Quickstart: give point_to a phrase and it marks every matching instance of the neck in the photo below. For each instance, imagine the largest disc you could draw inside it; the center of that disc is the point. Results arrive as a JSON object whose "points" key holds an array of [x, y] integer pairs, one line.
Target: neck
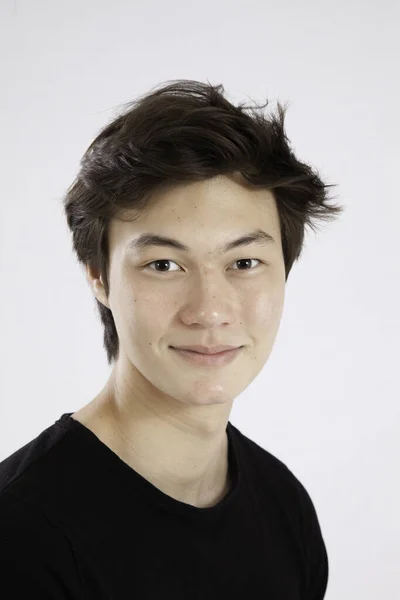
{"points": [[185, 459]]}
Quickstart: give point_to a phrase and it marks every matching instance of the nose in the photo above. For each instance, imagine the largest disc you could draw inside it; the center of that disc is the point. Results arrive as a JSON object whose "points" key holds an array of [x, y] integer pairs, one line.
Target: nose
{"points": [[210, 303]]}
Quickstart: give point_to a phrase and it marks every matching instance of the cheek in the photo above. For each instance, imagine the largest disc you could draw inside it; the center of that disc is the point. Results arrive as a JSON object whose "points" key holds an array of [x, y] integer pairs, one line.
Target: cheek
{"points": [[145, 313], [150, 313], [264, 310]]}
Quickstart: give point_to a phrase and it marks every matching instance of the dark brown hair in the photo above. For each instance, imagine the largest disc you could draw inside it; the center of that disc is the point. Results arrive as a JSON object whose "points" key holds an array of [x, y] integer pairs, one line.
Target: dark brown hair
{"points": [[186, 131]]}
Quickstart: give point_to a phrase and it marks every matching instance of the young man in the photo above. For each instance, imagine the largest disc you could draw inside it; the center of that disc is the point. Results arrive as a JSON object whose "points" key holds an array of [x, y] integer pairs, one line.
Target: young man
{"points": [[187, 215]]}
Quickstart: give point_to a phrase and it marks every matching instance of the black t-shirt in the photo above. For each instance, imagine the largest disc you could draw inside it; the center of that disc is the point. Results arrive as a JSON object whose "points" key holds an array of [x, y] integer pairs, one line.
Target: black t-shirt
{"points": [[77, 522]]}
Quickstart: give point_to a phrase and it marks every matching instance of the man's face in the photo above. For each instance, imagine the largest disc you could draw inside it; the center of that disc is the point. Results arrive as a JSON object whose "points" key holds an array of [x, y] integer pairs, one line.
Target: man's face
{"points": [[200, 296]]}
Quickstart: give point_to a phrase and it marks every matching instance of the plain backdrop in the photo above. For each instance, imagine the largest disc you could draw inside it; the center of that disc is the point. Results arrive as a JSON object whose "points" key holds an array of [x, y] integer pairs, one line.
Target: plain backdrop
{"points": [[327, 401]]}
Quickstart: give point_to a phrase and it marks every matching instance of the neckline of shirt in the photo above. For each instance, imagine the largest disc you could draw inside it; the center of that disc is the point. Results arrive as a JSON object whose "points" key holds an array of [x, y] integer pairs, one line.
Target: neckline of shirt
{"points": [[159, 499]]}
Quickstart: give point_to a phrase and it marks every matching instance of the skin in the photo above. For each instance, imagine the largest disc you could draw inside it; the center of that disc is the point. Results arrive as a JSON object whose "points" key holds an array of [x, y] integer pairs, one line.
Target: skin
{"points": [[163, 417]]}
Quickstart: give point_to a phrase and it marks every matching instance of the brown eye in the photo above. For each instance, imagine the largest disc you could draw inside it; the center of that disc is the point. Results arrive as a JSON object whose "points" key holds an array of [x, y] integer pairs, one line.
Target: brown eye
{"points": [[247, 261], [161, 262], [164, 261]]}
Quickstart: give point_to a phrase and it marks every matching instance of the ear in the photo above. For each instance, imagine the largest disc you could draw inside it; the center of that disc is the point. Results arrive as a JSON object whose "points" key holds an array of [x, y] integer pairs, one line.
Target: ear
{"points": [[96, 283]]}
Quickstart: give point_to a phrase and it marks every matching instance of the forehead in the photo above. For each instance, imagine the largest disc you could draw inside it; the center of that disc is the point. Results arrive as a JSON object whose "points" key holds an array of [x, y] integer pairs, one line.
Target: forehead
{"points": [[213, 212], [216, 195]]}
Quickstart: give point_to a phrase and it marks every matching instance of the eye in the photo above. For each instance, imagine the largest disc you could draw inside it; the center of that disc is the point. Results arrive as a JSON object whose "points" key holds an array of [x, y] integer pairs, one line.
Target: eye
{"points": [[164, 260]]}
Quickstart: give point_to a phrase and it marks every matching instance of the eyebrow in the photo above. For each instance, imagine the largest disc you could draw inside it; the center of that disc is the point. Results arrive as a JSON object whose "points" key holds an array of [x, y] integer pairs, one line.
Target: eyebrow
{"points": [[150, 239]]}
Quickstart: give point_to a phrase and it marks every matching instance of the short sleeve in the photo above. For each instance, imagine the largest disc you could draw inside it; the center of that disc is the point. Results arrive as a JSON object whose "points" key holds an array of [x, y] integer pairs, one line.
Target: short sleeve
{"points": [[315, 550], [319, 571], [36, 560]]}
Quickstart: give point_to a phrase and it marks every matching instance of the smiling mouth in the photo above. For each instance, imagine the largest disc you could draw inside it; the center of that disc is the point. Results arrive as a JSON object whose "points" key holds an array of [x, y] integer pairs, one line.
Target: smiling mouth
{"points": [[207, 360], [203, 353], [227, 349]]}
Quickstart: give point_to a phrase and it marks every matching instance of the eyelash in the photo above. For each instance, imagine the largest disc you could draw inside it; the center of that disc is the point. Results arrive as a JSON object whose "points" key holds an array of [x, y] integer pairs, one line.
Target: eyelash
{"points": [[172, 261]]}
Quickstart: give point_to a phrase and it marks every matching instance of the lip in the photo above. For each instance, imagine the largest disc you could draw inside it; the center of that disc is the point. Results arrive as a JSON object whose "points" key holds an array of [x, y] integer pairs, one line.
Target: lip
{"points": [[218, 359], [206, 349]]}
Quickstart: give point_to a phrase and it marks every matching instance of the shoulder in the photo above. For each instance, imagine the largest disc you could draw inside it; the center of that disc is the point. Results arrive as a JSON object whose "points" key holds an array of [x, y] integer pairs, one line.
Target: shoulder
{"points": [[276, 480], [36, 559]]}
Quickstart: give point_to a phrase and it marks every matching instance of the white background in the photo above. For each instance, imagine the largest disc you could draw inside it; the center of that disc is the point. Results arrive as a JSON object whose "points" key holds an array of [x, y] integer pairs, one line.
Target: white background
{"points": [[327, 401]]}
